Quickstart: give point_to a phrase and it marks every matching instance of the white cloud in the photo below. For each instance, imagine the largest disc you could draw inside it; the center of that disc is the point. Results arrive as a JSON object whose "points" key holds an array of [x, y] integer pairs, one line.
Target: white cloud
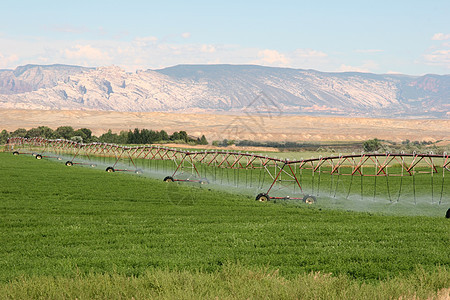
{"points": [[208, 49], [186, 35], [86, 52], [348, 68], [366, 67], [145, 41], [438, 57], [309, 53], [6, 61], [441, 36], [149, 52], [272, 57], [390, 72]]}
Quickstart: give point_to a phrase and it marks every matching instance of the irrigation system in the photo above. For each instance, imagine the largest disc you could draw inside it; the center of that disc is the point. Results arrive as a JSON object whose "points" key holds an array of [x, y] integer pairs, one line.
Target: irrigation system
{"points": [[391, 176]]}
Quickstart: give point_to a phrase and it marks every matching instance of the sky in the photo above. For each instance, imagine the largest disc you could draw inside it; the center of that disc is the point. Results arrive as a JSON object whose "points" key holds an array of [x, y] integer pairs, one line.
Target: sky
{"points": [[395, 36]]}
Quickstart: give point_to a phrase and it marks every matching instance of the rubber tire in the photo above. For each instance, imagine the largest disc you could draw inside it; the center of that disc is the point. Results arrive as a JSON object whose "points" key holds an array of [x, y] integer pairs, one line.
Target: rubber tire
{"points": [[262, 197], [447, 215], [69, 163], [110, 170], [38, 156], [169, 179], [15, 153], [309, 199]]}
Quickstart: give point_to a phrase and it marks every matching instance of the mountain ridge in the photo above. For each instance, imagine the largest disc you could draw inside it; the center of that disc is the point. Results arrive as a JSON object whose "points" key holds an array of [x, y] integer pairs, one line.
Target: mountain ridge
{"points": [[225, 88]]}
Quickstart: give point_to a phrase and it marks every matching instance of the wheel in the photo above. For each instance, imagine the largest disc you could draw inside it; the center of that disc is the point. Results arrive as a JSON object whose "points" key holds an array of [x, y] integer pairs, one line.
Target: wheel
{"points": [[204, 181], [138, 171], [308, 199], [168, 179], [262, 197], [447, 215], [59, 158], [69, 163], [38, 156], [93, 165], [110, 169], [15, 153]]}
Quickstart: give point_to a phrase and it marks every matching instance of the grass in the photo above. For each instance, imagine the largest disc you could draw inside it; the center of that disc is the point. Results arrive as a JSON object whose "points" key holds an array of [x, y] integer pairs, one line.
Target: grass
{"points": [[230, 282], [79, 231]]}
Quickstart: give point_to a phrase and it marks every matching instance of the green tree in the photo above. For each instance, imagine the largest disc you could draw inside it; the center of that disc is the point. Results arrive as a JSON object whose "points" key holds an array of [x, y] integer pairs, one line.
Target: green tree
{"points": [[154, 137], [163, 135], [4, 136], [46, 132], [21, 132], [372, 145], [79, 133], [33, 132], [87, 134], [183, 136], [175, 136], [123, 137], [65, 132], [135, 137], [203, 140], [109, 137]]}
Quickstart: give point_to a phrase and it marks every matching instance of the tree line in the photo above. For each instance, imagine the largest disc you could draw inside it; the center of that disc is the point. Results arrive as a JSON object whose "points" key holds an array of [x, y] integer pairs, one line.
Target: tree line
{"points": [[84, 135]]}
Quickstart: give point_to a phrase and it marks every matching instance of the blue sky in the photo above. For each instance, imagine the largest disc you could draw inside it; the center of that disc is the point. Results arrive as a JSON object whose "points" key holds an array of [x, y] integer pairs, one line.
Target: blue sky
{"points": [[409, 37]]}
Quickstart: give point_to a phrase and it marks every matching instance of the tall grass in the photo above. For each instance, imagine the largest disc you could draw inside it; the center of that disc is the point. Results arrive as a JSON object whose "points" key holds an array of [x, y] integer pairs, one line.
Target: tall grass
{"points": [[230, 282]]}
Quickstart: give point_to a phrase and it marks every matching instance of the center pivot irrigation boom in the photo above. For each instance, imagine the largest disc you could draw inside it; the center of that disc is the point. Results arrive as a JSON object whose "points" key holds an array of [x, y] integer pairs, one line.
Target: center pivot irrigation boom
{"points": [[271, 176]]}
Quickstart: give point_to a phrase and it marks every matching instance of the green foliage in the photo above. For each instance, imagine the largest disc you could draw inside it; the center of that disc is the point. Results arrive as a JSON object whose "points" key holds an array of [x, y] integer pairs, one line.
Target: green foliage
{"points": [[163, 135], [145, 136], [46, 132], [183, 136], [4, 136], [21, 132], [203, 140], [175, 136], [64, 132], [85, 134], [114, 138], [34, 132], [137, 136], [372, 145]]}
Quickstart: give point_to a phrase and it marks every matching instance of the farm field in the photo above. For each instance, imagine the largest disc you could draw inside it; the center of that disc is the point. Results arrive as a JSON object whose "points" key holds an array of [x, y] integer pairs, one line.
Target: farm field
{"points": [[424, 192], [88, 232]]}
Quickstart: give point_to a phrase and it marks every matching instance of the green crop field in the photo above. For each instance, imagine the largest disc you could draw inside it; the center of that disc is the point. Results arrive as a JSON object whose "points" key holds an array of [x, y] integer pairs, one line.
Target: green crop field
{"points": [[76, 232]]}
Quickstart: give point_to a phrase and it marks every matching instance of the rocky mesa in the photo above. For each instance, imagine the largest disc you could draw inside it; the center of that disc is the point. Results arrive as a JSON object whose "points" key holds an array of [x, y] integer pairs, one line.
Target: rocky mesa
{"points": [[225, 89]]}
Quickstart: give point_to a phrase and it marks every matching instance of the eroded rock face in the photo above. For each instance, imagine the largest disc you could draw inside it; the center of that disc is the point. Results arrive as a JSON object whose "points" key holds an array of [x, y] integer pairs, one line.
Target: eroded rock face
{"points": [[33, 77], [229, 88]]}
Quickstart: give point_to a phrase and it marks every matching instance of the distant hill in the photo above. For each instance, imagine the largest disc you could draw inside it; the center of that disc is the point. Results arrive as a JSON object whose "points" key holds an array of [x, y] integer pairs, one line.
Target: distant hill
{"points": [[33, 77], [225, 88]]}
